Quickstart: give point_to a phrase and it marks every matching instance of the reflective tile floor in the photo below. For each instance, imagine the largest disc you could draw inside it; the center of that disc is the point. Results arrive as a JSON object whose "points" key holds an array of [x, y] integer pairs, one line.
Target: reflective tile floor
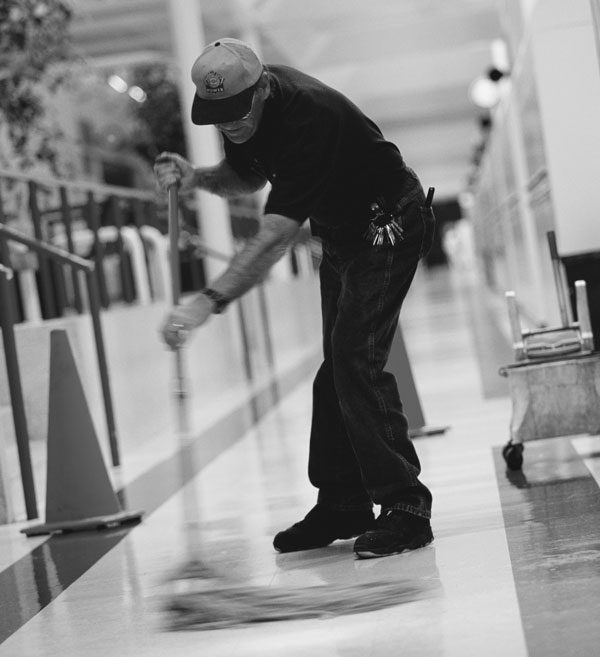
{"points": [[514, 569]]}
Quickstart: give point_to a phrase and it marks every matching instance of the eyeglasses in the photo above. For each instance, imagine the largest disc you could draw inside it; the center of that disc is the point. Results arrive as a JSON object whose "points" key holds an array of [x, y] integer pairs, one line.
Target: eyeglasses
{"points": [[247, 116], [242, 118]]}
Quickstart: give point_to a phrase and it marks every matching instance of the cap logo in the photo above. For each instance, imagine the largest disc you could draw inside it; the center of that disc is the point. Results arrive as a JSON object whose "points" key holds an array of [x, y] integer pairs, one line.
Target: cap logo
{"points": [[213, 82]]}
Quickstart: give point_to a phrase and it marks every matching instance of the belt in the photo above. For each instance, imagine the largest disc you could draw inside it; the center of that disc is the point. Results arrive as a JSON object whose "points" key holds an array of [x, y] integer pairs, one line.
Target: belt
{"points": [[355, 232]]}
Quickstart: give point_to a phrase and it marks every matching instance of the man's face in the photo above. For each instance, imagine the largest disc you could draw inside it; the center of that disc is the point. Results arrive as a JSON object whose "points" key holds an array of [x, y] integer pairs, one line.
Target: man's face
{"points": [[243, 129]]}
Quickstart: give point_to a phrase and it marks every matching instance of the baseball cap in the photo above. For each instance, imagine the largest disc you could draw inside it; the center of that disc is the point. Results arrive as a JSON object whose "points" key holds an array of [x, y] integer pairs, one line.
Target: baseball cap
{"points": [[225, 75]]}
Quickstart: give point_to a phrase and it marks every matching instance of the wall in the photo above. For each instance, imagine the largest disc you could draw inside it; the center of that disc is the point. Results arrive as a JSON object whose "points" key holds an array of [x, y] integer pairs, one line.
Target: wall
{"points": [[540, 168]]}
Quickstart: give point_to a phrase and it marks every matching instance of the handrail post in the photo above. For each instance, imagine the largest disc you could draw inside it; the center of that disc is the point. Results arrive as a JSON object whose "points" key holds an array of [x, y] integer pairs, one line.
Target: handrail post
{"points": [[92, 287], [115, 216], [137, 211], [5, 260], [211, 253], [245, 340], [149, 210], [66, 218], [16, 392], [264, 312], [44, 269], [93, 222]]}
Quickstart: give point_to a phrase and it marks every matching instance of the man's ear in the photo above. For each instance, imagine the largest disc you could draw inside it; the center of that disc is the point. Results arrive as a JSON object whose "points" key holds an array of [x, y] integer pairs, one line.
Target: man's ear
{"points": [[264, 86]]}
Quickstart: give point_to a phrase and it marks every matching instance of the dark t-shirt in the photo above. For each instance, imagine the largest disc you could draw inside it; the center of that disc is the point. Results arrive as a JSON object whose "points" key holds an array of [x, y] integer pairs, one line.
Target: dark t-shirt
{"points": [[324, 158]]}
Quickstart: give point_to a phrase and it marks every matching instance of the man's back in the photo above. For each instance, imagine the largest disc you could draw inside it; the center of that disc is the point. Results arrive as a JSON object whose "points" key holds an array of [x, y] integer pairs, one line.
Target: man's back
{"points": [[325, 159]]}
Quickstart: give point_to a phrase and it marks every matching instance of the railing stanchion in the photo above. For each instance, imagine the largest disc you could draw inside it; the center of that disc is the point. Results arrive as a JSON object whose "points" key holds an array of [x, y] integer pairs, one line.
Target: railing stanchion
{"points": [[115, 214], [137, 210], [92, 287], [66, 217], [93, 222], [149, 210], [16, 392], [44, 268], [5, 260], [245, 340], [264, 312]]}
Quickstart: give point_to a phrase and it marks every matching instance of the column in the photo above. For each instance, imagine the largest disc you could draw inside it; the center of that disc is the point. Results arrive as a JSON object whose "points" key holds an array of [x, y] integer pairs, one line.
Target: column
{"points": [[203, 142], [596, 16]]}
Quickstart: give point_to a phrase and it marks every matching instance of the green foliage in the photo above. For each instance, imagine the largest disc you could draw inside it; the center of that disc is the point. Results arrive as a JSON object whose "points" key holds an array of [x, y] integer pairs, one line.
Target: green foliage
{"points": [[159, 122], [33, 39]]}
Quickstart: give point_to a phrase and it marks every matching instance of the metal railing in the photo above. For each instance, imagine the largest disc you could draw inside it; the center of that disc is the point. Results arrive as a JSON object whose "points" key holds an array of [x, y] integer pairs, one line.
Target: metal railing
{"points": [[82, 208], [99, 222], [16, 392], [87, 219], [7, 304]]}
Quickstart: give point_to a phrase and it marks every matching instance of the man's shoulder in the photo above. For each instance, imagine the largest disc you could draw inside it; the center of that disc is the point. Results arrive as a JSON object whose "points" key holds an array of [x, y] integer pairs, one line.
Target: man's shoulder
{"points": [[292, 76], [297, 92]]}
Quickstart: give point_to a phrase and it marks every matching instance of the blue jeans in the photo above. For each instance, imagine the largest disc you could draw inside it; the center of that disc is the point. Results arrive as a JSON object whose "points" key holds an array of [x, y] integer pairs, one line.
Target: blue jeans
{"points": [[360, 450]]}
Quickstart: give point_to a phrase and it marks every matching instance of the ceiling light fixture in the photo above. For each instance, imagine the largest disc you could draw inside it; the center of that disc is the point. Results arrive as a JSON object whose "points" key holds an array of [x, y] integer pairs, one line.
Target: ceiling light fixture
{"points": [[137, 93], [118, 84], [484, 92]]}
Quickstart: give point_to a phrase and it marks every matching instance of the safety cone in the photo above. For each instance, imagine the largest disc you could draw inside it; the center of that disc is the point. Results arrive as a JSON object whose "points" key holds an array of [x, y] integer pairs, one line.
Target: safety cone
{"points": [[399, 366], [79, 494]]}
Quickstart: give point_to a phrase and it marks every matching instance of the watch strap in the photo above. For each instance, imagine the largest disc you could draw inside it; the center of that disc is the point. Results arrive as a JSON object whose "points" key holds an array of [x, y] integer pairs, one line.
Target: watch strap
{"points": [[221, 301]]}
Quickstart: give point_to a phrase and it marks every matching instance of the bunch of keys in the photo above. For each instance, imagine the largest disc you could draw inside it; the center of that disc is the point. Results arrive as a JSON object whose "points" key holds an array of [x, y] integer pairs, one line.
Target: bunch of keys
{"points": [[385, 226]]}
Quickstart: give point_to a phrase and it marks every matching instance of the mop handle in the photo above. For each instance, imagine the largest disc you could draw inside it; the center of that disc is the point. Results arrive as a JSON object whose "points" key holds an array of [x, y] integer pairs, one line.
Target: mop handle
{"points": [[181, 392], [174, 244], [174, 253]]}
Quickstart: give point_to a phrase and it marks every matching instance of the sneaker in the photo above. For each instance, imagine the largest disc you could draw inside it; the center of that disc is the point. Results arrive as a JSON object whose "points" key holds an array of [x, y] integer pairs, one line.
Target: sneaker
{"points": [[322, 526], [394, 532]]}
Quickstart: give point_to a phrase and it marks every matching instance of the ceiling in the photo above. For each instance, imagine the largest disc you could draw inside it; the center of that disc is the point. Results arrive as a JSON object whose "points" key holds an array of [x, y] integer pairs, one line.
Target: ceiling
{"points": [[407, 63]]}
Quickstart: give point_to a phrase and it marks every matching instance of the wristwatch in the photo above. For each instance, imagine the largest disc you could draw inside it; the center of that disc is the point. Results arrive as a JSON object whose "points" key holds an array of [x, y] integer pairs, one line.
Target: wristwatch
{"points": [[221, 302]]}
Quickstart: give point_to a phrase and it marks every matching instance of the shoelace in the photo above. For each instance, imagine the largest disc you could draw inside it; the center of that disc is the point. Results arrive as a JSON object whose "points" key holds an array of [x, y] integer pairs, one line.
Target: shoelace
{"points": [[398, 521], [386, 519]]}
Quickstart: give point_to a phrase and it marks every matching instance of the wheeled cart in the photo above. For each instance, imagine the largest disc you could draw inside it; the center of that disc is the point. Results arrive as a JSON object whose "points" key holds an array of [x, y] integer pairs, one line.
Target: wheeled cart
{"points": [[550, 399], [555, 382]]}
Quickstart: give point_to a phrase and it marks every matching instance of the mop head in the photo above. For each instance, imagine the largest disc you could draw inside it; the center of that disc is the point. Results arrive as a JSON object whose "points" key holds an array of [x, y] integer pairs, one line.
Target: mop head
{"points": [[205, 601]]}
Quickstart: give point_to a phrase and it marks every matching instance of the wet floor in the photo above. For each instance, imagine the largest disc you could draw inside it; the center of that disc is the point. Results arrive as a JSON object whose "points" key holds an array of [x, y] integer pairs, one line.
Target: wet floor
{"points": [[513, 570]]}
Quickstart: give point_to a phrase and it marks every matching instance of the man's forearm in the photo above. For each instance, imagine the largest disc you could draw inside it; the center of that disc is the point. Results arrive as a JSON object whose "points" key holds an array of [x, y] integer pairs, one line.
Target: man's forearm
{"points": [[223, 180], [248, 267]]}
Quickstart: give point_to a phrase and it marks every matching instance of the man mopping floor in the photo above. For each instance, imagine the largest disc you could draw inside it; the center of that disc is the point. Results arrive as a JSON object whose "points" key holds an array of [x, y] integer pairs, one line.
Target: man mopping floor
{"points": [[329, 164]]}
